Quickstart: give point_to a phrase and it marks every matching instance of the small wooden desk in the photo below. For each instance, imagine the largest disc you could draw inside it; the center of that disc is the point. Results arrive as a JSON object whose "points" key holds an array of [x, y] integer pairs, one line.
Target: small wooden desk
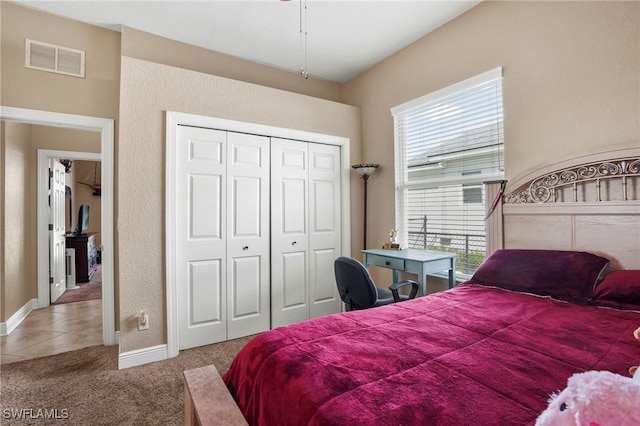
{"points": [[419, 262]]}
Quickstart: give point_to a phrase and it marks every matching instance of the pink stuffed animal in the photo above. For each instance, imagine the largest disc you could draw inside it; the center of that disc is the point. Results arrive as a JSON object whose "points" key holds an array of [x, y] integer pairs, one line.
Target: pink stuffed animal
{"points": [[596, 398], [635, 370]]}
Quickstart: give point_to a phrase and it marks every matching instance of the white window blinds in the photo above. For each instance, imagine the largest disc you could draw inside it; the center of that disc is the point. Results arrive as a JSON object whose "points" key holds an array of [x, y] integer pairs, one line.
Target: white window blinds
{"points": [[447, 144]]}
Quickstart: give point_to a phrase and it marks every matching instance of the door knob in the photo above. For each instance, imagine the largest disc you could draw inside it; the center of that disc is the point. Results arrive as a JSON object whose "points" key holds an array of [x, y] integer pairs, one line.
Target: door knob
{"points": [[294, 243], [245, 248]]}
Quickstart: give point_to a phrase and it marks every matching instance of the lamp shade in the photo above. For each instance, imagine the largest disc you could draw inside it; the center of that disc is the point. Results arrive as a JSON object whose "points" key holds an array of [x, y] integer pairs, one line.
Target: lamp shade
{"points": [[365, 169]]}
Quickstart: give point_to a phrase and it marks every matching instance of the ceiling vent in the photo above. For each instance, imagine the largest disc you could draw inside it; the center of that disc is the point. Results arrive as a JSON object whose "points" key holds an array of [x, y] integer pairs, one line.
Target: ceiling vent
{"points": [[58, 59]]}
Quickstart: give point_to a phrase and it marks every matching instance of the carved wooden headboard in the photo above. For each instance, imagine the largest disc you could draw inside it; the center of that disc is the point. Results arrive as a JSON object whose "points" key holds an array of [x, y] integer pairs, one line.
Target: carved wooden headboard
{"points": [[590, 202]]}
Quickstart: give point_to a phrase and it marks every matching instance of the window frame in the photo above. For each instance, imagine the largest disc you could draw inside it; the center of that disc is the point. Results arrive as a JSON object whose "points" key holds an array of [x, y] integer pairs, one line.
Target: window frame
{"points": [[403, 185]]}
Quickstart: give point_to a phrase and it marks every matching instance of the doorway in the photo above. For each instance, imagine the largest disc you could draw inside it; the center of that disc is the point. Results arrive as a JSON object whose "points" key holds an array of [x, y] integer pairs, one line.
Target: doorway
{"points": [[80, 168], [105, 127]]}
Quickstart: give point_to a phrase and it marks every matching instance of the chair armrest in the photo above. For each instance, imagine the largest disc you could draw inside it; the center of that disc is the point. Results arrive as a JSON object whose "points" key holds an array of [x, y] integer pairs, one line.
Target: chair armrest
{"points": [[394, 289]]}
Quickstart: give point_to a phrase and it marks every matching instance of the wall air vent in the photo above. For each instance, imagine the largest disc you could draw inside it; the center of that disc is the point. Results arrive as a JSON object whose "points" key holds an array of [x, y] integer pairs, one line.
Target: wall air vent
{"points": [[58, 59]]}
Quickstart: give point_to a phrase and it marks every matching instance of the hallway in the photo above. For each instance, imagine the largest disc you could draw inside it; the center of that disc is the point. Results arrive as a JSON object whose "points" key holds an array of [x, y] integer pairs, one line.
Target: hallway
{"points": [[52, 330]]}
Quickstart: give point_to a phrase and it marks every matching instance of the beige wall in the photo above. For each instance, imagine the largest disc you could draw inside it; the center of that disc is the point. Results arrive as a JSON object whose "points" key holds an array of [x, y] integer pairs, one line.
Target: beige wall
{"points": [[18, 286], [142, 45], [571, 83], [95, 95], [147, 91], [63, 139]]}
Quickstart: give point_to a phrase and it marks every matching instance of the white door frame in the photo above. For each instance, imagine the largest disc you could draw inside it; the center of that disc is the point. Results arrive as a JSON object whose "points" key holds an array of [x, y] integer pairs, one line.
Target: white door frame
{"points": [[172, 120], [105, 127]]}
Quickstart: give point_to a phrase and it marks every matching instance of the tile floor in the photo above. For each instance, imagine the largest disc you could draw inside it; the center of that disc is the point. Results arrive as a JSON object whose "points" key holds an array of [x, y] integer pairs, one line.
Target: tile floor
{"points": [[52, 330]]}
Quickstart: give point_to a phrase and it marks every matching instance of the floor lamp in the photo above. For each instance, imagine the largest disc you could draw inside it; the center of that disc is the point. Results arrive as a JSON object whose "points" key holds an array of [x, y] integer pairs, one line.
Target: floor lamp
{"points": [[365, 170]]}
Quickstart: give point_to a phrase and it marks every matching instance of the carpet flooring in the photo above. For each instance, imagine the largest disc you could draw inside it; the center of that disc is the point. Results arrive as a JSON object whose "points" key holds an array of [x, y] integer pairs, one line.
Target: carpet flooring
{"points": [[83, 291], [85, 387]]}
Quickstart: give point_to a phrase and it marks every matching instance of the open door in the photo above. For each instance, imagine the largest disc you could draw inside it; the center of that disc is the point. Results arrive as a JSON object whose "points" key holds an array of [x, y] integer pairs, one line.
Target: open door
{"points": [[57, 200]]}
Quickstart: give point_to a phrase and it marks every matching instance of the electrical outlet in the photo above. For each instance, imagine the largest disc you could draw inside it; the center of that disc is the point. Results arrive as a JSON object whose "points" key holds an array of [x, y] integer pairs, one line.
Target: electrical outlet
{"points": [[143, 321]]}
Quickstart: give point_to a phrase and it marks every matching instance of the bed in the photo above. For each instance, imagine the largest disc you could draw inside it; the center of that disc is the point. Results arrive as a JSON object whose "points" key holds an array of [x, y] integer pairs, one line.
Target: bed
{"points": [[489, 351]]}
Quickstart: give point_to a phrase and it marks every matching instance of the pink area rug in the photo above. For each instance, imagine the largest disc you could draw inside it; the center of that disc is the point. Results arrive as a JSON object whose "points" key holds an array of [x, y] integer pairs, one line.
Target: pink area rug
{"points": [[84, 291]]}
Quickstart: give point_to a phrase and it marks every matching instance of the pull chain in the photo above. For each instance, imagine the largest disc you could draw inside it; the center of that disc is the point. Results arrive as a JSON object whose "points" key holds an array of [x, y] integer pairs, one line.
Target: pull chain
{"points": [[303, 39]]}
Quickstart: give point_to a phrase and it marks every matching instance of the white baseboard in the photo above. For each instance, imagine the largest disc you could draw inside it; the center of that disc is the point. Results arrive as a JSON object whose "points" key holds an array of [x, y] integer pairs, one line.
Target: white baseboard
{"points": [[7, 327], [143, 356]]}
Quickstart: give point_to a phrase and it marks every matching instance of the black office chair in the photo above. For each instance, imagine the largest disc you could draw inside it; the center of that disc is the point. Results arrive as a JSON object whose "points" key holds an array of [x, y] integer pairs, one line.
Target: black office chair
{"points": [[358, 291]]}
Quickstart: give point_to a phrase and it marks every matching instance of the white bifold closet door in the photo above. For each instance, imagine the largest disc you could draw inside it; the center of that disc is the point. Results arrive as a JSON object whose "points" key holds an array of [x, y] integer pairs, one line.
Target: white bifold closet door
{"points": [[248, 235], [305, 230], [222, 253]]}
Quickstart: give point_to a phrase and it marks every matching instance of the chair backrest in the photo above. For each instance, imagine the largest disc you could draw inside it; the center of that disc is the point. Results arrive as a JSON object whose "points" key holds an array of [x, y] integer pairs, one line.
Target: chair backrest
{"points": [[357, 289]]}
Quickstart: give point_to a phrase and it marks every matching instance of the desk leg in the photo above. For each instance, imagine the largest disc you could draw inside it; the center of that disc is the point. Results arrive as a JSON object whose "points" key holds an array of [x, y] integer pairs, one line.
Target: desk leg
{"points": [[452, 273], [422, 282], [395, 276]]}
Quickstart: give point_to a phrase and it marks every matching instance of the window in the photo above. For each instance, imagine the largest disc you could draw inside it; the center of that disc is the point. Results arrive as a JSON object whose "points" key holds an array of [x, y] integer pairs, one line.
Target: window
{"points": [[471, 194], [447, 144]]}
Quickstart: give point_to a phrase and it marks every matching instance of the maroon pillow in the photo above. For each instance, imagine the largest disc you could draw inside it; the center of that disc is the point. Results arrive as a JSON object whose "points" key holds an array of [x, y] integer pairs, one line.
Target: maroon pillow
{"points": [[620, 289], [563, 275]]}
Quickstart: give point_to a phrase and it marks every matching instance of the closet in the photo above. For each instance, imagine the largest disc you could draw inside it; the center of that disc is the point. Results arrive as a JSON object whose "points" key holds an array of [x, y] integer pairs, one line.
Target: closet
{"points": [[258, 223]]}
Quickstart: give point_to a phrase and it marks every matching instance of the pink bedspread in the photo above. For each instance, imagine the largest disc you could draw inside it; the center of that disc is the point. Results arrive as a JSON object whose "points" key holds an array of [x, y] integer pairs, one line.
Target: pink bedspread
{"points": [[469, 356]]}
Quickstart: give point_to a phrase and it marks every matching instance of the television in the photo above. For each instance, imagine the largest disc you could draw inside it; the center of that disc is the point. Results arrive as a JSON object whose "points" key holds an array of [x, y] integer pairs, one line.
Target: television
{"points": [[83, 220]]}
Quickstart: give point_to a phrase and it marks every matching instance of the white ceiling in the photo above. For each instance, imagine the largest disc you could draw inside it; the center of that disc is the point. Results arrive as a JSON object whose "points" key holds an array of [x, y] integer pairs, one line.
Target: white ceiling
{"points": [[344, 38]]}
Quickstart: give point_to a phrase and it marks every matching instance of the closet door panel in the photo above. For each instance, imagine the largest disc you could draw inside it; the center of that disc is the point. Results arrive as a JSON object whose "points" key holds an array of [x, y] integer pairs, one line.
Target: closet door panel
{"points": [[325, 228], [324, 289], [293, 206], [246, 203], [249, 233], [245, 282], [294, 271], [200, 236], [205, 214], [289, 232], [205, 286], [324, 199]]}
